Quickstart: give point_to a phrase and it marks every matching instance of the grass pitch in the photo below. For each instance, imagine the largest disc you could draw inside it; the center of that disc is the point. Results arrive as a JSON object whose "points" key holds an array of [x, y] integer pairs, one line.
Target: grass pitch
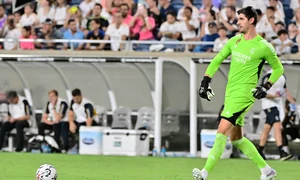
{"points": [[22, 166]]}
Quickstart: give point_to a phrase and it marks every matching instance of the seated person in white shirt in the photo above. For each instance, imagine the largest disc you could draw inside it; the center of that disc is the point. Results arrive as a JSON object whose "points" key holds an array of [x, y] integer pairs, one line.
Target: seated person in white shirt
{"points": [[266, 24], [55, 113], [220, 41], [279, 12], [19, 112], [187, 3], [117, 31], [29, 18], [282, 44], [168, 31], [81, 112]]}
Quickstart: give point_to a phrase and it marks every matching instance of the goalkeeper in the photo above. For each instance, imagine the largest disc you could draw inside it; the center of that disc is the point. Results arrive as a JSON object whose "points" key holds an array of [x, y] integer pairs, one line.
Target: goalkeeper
{"points": [[248, 51]]}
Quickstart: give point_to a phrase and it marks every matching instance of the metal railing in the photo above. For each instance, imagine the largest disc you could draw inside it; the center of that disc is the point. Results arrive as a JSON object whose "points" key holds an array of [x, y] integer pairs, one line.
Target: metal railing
{"points": [[128, 44]]}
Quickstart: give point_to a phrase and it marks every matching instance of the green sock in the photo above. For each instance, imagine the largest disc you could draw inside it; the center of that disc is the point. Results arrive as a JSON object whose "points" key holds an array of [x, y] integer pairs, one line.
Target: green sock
{"points": [[250, 151], [215, 152]]}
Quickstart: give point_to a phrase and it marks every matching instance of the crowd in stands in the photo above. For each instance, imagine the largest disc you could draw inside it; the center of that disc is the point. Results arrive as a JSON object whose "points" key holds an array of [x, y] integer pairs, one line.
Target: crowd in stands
{"points": [[212, 21]]}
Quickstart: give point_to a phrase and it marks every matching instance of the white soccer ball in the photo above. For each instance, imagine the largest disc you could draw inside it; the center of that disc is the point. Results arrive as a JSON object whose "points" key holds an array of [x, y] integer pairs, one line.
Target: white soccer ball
{"points": [[46, 172]]}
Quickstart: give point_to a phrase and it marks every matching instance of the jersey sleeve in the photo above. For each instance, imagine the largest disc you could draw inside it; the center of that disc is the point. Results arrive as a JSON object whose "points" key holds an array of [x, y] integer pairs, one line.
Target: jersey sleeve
{"points": [[47, 111], [71, 105], [272, 58], [220, 57], [89, 110], [63, 109]]}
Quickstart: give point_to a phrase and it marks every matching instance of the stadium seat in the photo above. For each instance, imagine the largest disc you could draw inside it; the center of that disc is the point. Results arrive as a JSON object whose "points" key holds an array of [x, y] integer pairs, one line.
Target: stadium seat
{"points": [[255, 134], [122, 118], [145, 119], [101, 115], [170, 121]]}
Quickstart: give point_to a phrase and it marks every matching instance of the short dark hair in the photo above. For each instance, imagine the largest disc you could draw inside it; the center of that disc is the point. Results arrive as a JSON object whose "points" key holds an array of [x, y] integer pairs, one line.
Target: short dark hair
{"points": [[282, 31], [232, 8], [189, 8], [249, 13], [280, 23], [11, 95], [258, 11], [31, 5], [27, 28], [97, 21], [54, 92], [271, 8], [98, 4], [76, 92], [125, 4], [70, 21], [222, 28], [172, 13]]}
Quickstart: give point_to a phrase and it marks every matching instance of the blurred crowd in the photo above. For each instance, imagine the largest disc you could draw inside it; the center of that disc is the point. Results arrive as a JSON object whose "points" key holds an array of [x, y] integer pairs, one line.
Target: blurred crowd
{"points": [[175, 21]]}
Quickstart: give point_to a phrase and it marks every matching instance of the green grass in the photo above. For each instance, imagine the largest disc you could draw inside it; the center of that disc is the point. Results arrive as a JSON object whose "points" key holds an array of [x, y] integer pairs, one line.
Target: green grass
{"points": [[23, 166]]}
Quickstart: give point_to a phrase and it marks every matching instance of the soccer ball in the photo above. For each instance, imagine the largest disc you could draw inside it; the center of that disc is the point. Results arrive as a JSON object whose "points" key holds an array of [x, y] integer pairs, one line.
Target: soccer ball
{"points": [[46, 172]]}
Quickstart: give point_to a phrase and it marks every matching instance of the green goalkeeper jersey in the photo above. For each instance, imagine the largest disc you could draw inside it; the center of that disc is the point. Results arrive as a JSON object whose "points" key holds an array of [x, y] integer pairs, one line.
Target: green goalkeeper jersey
{"points": [[247, 60]]}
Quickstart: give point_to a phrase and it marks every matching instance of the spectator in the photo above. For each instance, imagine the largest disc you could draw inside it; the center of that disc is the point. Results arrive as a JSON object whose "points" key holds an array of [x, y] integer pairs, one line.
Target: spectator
{"points": [[48, 32], [279, 13], [17, 18], [221, 40], [188, 27], [45, 11], [165, 7], [55, 114], [211, 17], [19, 112], [266, 24], [297, 18], [97, 15], [95, 34], [169, 31], [295, 4], [294, 36], [86, 7], [75, 13], [279, 26], [11, 34], [154, 12], [117, 31], [125, 13], [211, 37], [113, 5], [73, 33], [26, 34], [81, 112], [29, 18], [142, 25], [282, 44], [224, 8], [3, 17], [231, 22], [187, 3], [205, 9], [256, 4], [60, 13]]}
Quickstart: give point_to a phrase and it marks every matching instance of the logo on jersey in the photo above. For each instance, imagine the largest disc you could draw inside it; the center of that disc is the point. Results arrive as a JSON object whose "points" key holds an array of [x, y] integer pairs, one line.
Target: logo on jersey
{"points": [[240, 57], [252, 50], [238, 41]]}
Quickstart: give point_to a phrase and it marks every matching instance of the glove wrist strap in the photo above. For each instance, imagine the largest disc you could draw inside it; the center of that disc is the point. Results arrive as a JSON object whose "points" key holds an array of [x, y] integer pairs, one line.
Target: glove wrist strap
{"points": [[267, 85], [206, 79]]}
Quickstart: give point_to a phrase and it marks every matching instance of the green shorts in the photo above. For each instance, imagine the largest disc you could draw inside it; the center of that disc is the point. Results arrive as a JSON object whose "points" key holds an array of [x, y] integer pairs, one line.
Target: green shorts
{"points": [[234, 111]]}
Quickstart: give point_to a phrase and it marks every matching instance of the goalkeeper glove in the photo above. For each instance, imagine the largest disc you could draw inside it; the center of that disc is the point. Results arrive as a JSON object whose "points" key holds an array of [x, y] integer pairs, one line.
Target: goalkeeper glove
{"points": [[205, 90], [261, 91]]}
